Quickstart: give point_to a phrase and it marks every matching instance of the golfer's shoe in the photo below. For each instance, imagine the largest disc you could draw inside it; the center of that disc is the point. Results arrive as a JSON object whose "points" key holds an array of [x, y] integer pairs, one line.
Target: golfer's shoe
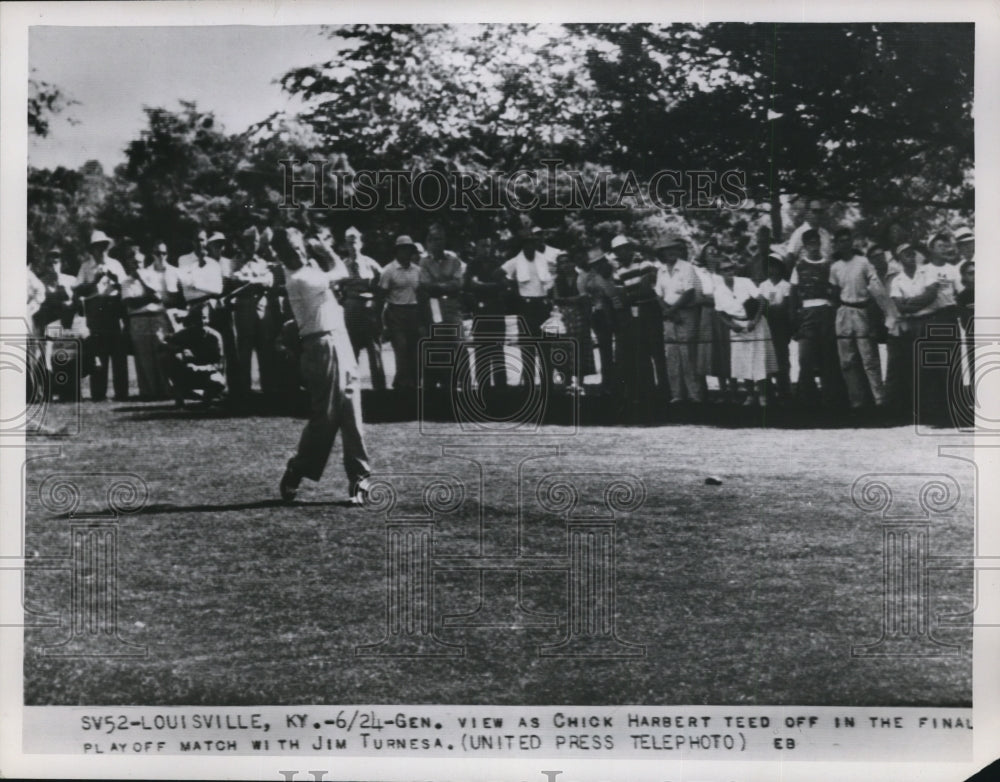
{"points": [[289, 486], [359, 492]]}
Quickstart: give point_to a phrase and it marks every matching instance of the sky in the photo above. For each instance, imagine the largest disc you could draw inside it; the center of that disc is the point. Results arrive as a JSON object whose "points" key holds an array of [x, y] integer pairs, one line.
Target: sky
{"points": [[114, 71]]}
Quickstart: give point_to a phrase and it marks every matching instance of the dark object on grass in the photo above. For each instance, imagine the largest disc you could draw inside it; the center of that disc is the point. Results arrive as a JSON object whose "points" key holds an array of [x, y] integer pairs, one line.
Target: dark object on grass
{"points": [[711, 480]]}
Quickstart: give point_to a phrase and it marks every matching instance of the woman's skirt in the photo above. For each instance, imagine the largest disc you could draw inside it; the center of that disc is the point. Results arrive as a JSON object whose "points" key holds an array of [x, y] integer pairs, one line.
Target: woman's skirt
{"points": [[752, 353]]}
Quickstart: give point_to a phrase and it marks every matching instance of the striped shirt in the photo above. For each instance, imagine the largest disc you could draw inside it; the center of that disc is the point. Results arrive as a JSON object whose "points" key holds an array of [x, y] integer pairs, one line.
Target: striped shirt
{"points": [[637, 280]]}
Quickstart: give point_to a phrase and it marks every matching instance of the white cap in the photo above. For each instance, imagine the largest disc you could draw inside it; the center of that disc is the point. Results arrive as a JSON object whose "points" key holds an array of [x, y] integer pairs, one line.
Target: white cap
{"points": [[964, 234], [99, 237]]}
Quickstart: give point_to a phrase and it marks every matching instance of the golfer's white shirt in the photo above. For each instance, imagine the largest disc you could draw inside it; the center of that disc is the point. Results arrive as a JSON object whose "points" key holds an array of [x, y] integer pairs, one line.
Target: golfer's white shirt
{"points": [[316, 310]]}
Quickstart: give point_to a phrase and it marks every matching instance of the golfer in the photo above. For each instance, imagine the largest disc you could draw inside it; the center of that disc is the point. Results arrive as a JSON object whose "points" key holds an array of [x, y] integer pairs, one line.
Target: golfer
{"points": [[329, 371]]}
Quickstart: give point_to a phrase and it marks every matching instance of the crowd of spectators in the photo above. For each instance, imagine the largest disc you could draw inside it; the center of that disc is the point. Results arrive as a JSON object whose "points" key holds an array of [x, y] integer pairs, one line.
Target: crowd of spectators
{"points": [[828, 318]]}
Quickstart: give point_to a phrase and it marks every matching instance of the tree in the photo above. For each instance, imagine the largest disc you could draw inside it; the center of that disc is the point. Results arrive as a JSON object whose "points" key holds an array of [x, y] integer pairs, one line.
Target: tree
{"points": [[804, 109], [64, 206], [183, 173], [45, 100]]}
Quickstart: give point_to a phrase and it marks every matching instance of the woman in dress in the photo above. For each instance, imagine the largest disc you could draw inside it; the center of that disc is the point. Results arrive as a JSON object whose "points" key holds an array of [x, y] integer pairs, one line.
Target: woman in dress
{"points": [[741, 307], [712, 353]]}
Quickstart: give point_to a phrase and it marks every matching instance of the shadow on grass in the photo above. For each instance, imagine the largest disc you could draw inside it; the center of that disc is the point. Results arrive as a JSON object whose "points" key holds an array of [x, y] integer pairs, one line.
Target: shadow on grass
{"points": [[164, 508], [390, 406]]}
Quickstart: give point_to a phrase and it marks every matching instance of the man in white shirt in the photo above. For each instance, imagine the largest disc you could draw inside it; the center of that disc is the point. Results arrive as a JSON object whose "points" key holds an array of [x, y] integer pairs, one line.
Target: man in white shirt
{"points": [[946, 278], [200, 275], [252, 279], [815, 216], [98, 286], [442, 275], [856, 282], [361, 311], [329, 371], [913, 296], [221, 315], [531, 273], [814, 324], [397, 287], [777, 292], [966, 241], [676, 288]]}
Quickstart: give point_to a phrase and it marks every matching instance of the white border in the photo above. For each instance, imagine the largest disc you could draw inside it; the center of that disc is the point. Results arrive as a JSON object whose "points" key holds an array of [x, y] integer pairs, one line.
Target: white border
{"points": [[14, 21]]}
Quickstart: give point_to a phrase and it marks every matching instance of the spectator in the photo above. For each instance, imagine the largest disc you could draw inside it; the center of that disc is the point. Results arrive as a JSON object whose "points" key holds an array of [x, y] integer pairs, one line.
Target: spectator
{"points": [[966, 242], [485, 284], [876, 315], [943, 316], [712, 356], [853, 278], [573, 303], [54, 293], [529, 271], [144, 290], [966, 301], [912, 295], [676, 287], [52, 311], [741, 307], [815, 220], [776, 292], [761, 253], [98, 286], [398, 285], [220, 316], [255, 330], [200, 275], [194, 360], [441, 278], [641, 348], [360, 311], [606, 315], [549, 253], [814, 324]]}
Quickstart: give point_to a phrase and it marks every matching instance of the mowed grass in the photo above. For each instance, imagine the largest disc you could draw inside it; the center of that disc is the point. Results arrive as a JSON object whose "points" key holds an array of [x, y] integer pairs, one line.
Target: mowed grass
{"points": [[749, 592]]}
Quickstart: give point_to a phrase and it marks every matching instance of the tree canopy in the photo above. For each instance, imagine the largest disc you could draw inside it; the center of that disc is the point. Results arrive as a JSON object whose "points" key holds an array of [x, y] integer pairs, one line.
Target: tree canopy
{"points": [[874, 117]]}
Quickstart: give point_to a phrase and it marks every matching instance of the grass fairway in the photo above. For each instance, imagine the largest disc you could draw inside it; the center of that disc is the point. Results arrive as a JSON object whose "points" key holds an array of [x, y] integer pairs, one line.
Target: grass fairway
{"points": [[749, 592]]}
